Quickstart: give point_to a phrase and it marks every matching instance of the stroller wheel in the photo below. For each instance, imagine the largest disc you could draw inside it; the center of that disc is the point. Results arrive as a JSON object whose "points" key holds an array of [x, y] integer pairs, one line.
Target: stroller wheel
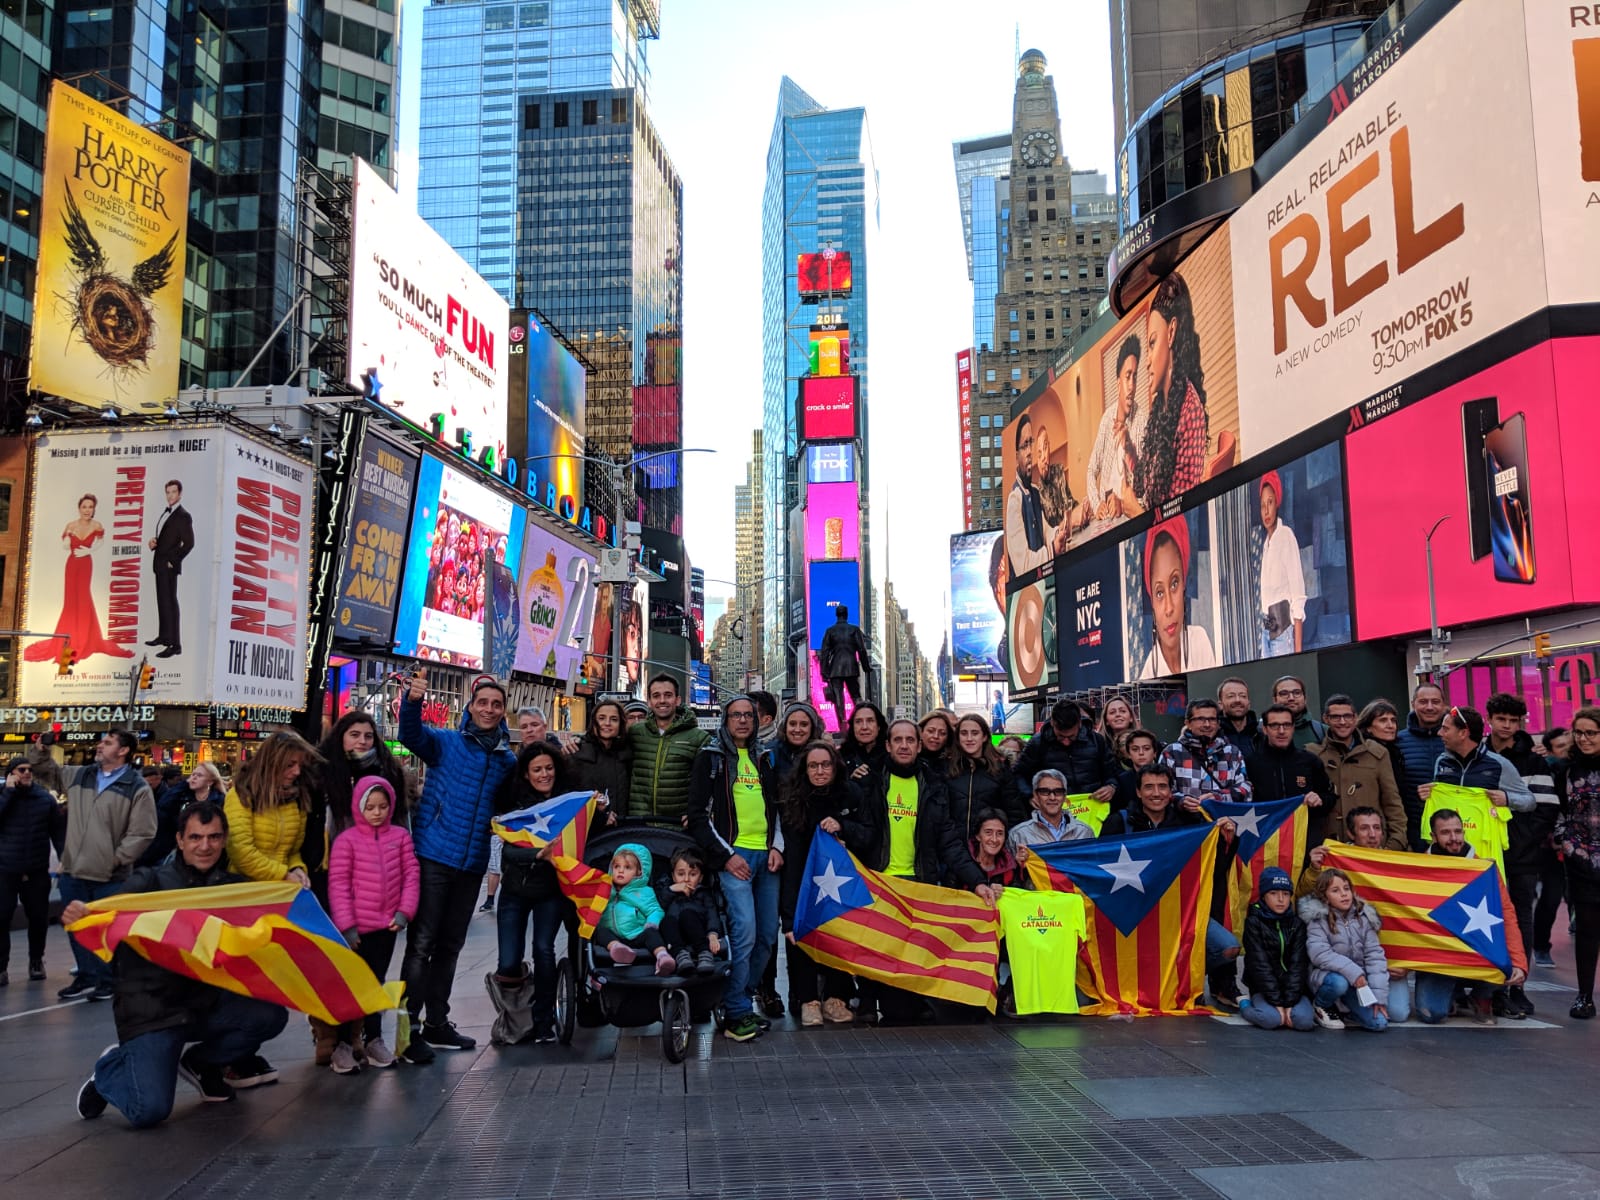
{"points": [[676, 1024], [719, 1018], [566, 1001]]}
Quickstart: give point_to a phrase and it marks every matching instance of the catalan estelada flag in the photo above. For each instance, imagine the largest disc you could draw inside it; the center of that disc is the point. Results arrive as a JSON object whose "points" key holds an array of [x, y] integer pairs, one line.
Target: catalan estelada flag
{"points": [[1150, 902], [934, 941], [1270, 834], [1448, 916], [268, 941], [562, 822]]}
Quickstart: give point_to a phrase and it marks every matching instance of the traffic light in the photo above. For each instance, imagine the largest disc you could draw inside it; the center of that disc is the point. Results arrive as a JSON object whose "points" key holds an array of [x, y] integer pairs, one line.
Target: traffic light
{"points": [[65, 658], [1541, 645], [147, 677]]}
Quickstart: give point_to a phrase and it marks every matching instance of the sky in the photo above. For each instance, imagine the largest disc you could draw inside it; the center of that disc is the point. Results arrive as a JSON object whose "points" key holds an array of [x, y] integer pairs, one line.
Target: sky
{"points": [[928, 74]]}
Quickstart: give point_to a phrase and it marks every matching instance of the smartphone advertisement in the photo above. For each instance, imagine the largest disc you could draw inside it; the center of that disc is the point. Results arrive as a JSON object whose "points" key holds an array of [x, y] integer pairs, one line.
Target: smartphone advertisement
{"points": [[1483, 459]]}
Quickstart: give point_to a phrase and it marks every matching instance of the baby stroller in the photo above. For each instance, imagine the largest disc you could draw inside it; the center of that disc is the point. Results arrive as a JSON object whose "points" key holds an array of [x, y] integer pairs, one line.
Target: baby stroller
{"points": [[634, 995]]}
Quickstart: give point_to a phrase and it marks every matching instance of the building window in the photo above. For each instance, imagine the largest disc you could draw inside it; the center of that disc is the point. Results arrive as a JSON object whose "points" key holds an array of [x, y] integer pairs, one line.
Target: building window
{"points": [[983, 463], [984, 484], [1049, 334], [983, 421], [1033, 193], [591, 112], [1049, 214], [501, 16], [988, 377], [1099, 271], [530, 116], [1030, 314], [619, 110], [1080, 239], [1049, 193], [1016, 372], [1049, 314], [561, 114], [1014, 336], [1033, 216]]}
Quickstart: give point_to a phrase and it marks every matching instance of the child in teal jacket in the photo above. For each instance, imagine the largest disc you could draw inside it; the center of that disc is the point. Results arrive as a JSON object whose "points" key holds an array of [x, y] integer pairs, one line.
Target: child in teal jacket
{"points": [[632, 919]]}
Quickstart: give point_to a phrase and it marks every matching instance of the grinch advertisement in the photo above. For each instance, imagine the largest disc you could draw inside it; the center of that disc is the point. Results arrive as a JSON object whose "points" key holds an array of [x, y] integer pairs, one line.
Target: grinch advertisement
{"points": [[108, 302]]}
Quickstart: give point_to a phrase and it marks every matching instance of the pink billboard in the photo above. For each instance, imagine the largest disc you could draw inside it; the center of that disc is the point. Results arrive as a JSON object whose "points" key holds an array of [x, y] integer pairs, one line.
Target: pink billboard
{"points": [[833, 521], [1485, 456]]}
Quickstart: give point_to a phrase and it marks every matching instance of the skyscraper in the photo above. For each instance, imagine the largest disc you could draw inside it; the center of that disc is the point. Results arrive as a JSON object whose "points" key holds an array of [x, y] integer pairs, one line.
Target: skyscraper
{"points": [[479, 59], [599, 254], [982, 166], [24, 90], [1060, 228], [821, 191]]}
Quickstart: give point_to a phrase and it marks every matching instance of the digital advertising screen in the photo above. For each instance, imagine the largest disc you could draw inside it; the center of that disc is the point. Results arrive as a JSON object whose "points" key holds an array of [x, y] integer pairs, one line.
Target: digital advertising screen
{"points": [[823, 274], [829, 351], [1282, 561], [385, 483], [557, 411], [1089, 607], [555, 604], [1169, 599], [977, 604], [1031, 644], [833, 521], [1496, 445], [828, 585], [828, 408], [427, 334], [446, 592], [831, 462]]}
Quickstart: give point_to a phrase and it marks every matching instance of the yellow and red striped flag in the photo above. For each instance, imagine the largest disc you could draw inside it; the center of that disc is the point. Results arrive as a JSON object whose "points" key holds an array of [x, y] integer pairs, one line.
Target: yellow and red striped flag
{"points": [[1149, 901], [1448, 916], [1270, 834], [268, 941], [562, 823], [934, 941]]}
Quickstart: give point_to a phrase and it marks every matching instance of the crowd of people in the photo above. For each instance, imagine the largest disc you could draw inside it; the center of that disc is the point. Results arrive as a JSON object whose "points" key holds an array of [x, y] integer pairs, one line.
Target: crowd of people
{"points": [[939, 800]]}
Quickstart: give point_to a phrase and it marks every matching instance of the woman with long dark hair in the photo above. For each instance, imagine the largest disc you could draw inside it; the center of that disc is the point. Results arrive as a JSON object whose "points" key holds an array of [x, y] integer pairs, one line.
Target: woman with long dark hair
{"points": [[1173, 457], [816, 795], [938, 733], [351, 751], [980, 777], [865, 748], [603, 761], [529, 889]]}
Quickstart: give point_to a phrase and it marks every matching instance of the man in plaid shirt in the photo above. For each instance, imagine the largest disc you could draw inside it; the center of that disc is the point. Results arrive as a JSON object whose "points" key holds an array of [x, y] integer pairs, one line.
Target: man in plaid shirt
{"points": [[1206, 764]]}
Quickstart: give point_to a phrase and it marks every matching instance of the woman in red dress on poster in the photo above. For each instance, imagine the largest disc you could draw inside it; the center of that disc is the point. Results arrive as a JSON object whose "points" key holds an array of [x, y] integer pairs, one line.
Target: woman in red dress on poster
{"points": [[79, 623]]}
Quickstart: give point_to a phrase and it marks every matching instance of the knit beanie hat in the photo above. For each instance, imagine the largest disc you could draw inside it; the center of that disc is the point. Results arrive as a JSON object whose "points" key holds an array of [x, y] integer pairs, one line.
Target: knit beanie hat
{"points": [[1275, 879]]}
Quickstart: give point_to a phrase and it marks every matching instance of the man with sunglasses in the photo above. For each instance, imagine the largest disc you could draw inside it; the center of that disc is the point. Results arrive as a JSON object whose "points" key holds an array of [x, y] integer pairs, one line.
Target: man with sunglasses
{"points": [[30, 822], [1049, 822]]}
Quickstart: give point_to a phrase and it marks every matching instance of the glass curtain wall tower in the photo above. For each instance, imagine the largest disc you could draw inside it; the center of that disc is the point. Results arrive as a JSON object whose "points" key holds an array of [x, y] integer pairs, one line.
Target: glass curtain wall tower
{"points": [[821, 188]]}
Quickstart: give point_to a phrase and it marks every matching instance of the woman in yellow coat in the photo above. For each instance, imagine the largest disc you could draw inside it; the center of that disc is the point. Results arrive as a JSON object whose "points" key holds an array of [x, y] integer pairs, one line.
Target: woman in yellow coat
{"points": [[266, 810]]}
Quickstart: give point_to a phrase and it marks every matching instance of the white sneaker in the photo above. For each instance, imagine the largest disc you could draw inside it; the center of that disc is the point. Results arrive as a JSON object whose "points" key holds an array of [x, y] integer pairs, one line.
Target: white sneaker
{"points": [[344, 1060], [1328, 1018], [379, 1055]]}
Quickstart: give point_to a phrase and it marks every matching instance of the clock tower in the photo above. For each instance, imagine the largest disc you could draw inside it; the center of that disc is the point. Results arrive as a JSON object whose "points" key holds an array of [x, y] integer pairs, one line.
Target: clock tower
{"points": [[1052, 275]]}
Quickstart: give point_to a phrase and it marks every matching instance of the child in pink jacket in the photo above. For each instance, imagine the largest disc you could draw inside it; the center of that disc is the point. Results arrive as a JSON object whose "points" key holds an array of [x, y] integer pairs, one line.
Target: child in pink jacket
{"points": [[373, 884]]}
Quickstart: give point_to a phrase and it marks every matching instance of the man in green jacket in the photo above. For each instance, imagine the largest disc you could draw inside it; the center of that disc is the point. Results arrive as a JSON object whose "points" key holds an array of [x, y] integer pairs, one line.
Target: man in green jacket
{"points": [[664, 748]]}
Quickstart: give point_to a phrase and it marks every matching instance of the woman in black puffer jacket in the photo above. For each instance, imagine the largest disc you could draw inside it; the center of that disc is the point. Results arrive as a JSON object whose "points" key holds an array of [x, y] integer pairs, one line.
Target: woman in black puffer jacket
{"points": [[603, 761], [980, 778]]}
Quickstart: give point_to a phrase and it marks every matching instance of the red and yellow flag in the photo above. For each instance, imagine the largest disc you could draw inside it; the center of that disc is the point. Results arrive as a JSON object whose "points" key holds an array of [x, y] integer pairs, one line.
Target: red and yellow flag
{"points": [[268, 941], [562, 824], [1149, 898]]}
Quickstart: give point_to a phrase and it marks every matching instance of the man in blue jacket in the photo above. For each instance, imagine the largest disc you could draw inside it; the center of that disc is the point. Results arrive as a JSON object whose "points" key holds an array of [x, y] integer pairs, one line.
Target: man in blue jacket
{"points": [[451, 832], [1420, 746]]}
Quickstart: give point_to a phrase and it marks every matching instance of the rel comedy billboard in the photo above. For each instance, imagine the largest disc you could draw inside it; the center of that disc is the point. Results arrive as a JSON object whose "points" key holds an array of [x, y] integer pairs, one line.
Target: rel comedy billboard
{"points": [[108, 296], [187, 548]]}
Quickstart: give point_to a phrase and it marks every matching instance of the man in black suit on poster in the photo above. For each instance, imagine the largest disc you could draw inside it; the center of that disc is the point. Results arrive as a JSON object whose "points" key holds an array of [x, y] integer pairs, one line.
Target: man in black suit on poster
{"points": [[173, 540]]}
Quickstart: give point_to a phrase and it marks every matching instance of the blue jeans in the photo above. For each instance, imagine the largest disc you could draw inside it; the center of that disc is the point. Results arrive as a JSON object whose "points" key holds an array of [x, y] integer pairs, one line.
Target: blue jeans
{"points": [[1265, 1016], [140, 1076], [511, 923], [1335, 988], [1400, 998], [90, 969], [1218, 942], [752, 929], [1432, 994], [1277, 647]]}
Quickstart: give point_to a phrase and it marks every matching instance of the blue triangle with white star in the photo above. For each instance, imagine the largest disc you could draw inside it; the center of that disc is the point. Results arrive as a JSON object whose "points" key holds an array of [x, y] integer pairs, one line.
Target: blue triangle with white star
{"points": [[1254, 823], [830, 885], [1125, 877], [1475, 914]]}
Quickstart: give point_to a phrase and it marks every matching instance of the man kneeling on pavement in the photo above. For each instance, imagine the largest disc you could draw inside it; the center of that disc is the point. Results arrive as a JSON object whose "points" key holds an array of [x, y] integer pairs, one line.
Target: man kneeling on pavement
{"points": [[159, 1012]]}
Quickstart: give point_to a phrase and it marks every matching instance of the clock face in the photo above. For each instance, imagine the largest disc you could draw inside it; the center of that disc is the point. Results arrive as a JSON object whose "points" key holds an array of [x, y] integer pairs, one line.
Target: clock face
{"points": [[1038, 148]]}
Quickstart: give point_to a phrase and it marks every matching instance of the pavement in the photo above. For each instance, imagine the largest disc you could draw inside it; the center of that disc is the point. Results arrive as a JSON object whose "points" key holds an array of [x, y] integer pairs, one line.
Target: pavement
{"points": [[1170, 1108]]}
